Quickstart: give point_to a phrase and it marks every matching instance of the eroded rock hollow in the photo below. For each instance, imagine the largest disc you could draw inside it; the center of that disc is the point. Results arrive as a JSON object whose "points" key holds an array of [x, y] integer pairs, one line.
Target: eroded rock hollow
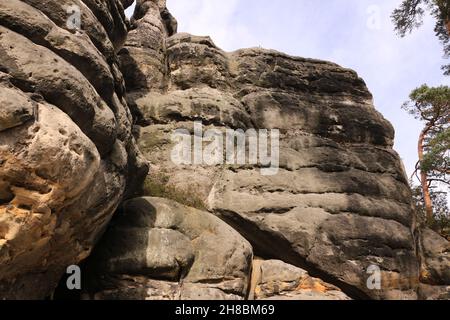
{"points": [[73, 105]]}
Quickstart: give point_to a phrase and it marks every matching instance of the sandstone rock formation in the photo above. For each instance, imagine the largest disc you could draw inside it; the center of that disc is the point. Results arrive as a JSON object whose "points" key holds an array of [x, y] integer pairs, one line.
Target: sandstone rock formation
{"points": [[435, 266], [67, 154], [340, 202], [157, 248], [276, 280], [72, 102]]}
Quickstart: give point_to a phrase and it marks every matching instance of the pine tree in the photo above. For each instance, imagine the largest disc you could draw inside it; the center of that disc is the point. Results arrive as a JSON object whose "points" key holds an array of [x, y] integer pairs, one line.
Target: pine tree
{"points": [[432, 106]]}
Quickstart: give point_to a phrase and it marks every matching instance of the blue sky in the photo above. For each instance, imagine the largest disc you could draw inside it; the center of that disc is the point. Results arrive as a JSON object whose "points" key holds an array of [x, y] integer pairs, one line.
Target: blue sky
{"points": [[356, 34]]}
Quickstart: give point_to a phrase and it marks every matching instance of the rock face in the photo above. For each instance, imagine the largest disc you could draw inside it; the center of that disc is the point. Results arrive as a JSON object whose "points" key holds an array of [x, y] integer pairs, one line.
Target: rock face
{"points": [[67, 154], [78, 83], [340, 202], [156, 248], [276, 280], [159, 249], [435, 266]]}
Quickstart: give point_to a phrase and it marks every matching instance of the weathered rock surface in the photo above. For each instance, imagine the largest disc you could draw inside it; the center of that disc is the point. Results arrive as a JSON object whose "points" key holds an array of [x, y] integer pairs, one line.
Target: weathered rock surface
{"points": [[276, 280], [159, 249], [435, 266], [435, 257], [67, 154], [72, 102], [340, 202]]}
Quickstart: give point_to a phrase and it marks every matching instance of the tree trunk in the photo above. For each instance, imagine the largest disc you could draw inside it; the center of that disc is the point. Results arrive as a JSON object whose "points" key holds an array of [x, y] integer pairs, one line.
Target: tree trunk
{"points": [[448, 26], [424, 177]]}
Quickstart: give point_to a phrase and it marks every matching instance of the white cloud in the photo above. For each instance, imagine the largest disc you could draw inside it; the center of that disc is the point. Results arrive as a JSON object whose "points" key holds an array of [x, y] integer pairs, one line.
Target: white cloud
{"points": [[215, 18]]}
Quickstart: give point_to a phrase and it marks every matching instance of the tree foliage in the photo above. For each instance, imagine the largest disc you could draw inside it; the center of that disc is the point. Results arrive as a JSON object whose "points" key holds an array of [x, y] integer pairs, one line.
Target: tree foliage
{"points": [[437, 157], [410, 14], [432, 106]]}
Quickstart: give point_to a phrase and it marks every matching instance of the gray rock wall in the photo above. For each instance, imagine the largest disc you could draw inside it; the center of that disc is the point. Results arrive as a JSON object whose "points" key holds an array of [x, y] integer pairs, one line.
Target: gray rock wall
{"points": [[340, 201]]}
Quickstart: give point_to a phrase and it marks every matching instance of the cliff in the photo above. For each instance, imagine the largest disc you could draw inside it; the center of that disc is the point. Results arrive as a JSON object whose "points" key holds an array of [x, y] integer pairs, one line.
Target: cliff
{"points": [[88, 109]]}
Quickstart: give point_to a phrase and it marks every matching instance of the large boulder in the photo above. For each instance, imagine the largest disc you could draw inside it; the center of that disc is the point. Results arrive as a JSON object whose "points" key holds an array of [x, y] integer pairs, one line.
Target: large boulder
{"points": [[159, 249], [67, 153], [276, 280]]}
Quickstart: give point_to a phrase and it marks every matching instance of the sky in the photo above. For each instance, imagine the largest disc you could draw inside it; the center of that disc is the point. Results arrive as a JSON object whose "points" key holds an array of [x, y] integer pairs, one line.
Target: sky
{"points": [[356, 34]]}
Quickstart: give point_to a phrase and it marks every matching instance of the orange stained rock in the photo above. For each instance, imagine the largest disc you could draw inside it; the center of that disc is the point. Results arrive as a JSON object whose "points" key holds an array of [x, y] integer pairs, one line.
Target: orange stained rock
{"points": [[312, 284]]}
